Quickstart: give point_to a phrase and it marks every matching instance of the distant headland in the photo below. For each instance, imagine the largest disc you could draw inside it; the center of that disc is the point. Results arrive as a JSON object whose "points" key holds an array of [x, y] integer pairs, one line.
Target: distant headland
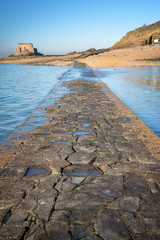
{"points": [[142, 36]]}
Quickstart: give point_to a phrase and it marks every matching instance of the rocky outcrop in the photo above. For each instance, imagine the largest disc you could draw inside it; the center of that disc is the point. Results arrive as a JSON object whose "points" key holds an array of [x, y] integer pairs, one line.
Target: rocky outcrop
{"points": [[145, 35], [93, 51]]}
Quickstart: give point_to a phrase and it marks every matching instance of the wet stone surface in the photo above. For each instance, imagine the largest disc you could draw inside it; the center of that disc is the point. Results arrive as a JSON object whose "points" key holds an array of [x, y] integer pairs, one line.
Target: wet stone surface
{"points": [[82, 171], [84, 175], [35, 171], [81, 133]]}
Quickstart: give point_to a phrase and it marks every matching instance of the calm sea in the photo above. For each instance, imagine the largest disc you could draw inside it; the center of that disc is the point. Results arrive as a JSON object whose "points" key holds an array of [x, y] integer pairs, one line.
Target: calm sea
{"points": [[139, 89], [22, 88]]}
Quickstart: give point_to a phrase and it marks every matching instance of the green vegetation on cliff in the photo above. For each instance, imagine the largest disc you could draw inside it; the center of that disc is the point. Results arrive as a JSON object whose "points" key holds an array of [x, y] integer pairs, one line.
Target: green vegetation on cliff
{"points": [[145, 35]]}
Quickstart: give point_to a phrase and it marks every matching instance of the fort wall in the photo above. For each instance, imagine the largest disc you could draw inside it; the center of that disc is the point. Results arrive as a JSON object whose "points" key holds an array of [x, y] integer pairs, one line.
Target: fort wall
{"points": [[25, 49]]}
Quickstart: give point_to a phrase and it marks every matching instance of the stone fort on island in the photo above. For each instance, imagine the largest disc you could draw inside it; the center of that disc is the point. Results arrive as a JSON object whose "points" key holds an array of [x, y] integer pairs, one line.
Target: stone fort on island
{"points": [[26, 49]]}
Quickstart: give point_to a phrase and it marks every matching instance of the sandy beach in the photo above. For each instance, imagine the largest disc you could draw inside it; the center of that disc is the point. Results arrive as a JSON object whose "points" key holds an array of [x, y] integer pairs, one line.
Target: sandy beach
{"points": [[64, 60], [126, 57]]}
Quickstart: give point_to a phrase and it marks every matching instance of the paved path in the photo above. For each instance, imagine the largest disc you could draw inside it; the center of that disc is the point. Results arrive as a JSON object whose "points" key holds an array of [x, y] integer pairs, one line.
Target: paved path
{"points": [[86, 174]]}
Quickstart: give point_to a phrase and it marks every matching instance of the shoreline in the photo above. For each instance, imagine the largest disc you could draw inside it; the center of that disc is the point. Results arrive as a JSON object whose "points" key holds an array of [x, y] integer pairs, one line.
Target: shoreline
{"points": [[148, 137], [126, 57], [144, 132]]}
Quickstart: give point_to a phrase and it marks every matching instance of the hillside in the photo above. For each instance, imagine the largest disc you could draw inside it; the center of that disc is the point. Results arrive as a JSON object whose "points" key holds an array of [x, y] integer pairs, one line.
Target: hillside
{"points": [[139, 37]]}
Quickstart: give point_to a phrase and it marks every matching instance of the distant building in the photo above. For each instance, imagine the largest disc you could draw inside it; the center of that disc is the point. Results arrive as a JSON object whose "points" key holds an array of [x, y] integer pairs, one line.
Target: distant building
{"points": [[26, 49]]}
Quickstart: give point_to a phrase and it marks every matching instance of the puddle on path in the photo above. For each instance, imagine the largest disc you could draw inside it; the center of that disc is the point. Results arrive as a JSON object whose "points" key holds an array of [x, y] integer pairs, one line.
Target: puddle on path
{"points": [[121, 120], [66, 124], [35, 171], [71, 118], [85, 116], [82, 171], [86, 125], [12, 172], [108, 193], [155, 170], [4, 172], [71, 103], [41, 134], [61, 142], [81, 133], [105, 101]]}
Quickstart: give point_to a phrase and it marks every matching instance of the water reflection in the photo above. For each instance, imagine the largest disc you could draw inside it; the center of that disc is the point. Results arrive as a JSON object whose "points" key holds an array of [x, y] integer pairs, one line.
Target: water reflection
{"points": [[139, 89]]}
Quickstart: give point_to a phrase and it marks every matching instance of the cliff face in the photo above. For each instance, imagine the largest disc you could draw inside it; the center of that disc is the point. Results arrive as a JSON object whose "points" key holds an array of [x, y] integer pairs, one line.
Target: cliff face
{"points": [[145, 35]]}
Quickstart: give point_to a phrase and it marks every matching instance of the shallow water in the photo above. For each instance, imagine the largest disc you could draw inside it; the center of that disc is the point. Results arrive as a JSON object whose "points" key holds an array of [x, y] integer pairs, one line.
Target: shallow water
{"points": [[22, 88], [139, 89]]}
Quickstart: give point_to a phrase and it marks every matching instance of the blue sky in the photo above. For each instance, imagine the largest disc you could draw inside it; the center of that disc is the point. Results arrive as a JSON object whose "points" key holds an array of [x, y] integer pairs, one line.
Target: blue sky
{"points": [[61, 26]]}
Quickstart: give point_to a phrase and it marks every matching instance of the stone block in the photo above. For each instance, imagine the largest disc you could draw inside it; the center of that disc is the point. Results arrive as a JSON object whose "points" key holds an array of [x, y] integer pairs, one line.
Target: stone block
{"points": [[14, 232], [81, 158], [128, 204], [80, 200], [152, 224], [17, 218], [110, 225], [44, 210], [58, 230]]}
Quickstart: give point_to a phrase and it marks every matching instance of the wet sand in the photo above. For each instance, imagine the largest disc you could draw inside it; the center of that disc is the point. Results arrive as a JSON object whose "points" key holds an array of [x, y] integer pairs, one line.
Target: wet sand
{"points": [[91, 172]]}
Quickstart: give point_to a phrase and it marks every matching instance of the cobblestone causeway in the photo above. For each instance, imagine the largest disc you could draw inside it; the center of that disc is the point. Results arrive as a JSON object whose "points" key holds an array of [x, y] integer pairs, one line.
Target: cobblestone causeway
{"points": [[85, 174]]}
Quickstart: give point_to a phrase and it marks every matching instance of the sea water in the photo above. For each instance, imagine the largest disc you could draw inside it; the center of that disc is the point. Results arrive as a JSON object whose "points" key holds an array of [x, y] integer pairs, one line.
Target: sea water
{"points": [[22, 88], [138, 88]]}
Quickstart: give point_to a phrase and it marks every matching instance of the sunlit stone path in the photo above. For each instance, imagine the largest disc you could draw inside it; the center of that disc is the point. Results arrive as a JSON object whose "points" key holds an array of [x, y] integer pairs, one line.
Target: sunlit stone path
{"points": [[85, 174]]}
